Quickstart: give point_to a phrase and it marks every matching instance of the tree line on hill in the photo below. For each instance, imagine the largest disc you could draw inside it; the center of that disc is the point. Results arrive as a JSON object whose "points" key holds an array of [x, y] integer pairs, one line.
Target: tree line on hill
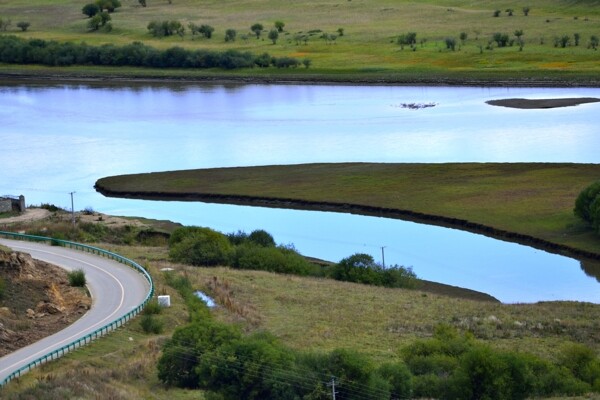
{"points": [[15, 50]]}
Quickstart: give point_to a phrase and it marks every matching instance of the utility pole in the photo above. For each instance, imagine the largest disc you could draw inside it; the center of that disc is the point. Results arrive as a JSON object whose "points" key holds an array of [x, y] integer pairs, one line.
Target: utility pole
{"points": [[332, 384], [383, 256], [72, 209]]}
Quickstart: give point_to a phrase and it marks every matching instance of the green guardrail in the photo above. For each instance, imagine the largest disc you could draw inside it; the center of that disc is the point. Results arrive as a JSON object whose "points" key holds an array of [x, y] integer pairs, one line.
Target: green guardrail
{"points": [[98, 332]]}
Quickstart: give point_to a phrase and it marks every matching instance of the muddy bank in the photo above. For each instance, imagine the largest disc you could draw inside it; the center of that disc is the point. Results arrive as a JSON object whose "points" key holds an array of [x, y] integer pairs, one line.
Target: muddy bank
{"points": [[529, 104], [109, 79], [406, 215]]}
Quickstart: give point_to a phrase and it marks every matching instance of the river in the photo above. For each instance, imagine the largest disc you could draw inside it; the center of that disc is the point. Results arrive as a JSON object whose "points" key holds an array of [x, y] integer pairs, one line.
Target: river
{"points": [[60, 138]]}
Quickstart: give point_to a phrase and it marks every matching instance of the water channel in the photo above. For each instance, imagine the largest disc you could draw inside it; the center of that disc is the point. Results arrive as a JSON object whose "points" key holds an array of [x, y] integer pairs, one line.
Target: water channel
{"points": [[58, 139]]}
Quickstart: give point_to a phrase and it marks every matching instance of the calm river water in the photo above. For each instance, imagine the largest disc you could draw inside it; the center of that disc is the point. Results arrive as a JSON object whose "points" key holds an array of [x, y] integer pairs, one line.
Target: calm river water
{"points": [[58, 139]]}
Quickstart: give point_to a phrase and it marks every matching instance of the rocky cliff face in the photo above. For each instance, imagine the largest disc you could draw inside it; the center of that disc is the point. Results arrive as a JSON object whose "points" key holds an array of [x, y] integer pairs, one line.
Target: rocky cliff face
{"points": [[37, 300]]}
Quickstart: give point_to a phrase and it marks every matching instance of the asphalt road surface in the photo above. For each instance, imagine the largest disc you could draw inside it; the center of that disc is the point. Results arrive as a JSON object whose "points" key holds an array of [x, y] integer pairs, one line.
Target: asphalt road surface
{"points": [[116, 289]]}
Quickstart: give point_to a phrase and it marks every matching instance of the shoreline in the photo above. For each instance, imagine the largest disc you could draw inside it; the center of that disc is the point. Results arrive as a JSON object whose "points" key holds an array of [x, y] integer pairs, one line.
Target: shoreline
{"points": [[406, 215], [321, 79]]}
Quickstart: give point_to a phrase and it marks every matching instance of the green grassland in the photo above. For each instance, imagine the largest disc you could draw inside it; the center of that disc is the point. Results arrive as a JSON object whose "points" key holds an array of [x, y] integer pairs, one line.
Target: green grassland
{"points": [[305, 314], [366, 51], [535, 200]]}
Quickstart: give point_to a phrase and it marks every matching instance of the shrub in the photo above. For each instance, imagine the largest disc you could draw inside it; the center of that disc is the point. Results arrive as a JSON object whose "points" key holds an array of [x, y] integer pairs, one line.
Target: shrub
{"points": [[587, 205], [261, 238], [90, 10], [77, 278], [151, 324], [230, 35], [200, 246], [399, 378], [272, 259], [23, 25], [362, 268], [152, 308]]}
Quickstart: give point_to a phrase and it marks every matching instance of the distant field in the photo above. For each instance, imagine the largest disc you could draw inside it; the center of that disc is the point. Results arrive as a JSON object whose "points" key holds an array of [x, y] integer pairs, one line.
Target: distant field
{"points": [[368, 47], [536, 200]]}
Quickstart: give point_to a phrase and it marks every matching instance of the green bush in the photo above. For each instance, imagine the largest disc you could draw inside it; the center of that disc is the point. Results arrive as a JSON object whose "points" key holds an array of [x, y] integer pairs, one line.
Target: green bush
{"points": [[77, 278], [362, 268], [152, 308], [587, 205], [151, 324], [272, 259], [261, 238], [200, 246]]}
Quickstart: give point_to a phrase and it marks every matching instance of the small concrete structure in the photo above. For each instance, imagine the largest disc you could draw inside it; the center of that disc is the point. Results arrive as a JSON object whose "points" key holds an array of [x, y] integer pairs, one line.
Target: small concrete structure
{"points": [[164, 301], [12, 203]]}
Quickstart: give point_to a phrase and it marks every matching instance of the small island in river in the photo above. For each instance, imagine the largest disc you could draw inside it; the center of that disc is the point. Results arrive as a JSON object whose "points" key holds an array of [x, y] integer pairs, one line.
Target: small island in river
{"points": [[527, 104]]}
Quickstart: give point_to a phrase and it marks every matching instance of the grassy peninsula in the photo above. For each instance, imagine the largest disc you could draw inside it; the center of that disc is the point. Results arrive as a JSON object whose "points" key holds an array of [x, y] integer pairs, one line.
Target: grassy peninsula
{"points": [[551, 42], [524, 202]]}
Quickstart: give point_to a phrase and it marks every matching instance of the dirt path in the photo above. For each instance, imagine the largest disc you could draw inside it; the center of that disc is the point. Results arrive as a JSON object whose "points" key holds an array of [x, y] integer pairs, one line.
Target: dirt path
{"points": [[30, 214]]}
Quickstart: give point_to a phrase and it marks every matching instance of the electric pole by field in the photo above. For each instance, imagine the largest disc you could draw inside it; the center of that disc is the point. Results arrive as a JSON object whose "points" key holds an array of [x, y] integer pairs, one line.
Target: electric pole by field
{"points": [[332, 384]]}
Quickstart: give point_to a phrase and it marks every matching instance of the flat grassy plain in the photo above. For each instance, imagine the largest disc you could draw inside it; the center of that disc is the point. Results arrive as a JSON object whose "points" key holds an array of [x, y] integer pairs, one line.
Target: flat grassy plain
{"points": [[532, 199], [368, 49]]}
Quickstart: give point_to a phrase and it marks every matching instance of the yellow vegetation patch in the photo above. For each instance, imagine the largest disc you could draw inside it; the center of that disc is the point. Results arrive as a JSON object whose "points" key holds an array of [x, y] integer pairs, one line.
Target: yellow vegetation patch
{"points": [[299, 54], [556, 65]]}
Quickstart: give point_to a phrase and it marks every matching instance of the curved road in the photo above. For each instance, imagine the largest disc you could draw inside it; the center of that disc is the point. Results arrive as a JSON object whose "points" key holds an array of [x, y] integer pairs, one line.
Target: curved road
{"points": [[116, 289]]}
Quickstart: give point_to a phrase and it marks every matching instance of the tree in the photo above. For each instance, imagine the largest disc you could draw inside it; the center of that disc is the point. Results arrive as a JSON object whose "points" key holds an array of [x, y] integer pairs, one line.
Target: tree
{"points": [[108, 5], [526, 11], [206, 31], [306, 62], [257, 29], [273, 35], [564, 41], [95, 22], [510, 11], [576, 37], [142, 3], [594, 42], [340, 31], [519, 35], [230, 35], [90, 10], [501, 39], [279, 26], [4, 24], [23, 25], [409, 39], [99, 20], [450, 43], [497, 13], [463, 37], [587, 205], [261, 238]]}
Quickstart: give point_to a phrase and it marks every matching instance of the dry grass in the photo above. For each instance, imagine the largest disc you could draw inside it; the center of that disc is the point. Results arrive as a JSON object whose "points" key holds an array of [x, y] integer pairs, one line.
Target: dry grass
{"points": [[320, 314]]}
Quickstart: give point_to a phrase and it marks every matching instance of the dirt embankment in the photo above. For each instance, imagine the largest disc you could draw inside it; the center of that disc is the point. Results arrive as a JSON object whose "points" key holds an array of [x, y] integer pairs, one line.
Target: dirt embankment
{"points": [[36, 301]]}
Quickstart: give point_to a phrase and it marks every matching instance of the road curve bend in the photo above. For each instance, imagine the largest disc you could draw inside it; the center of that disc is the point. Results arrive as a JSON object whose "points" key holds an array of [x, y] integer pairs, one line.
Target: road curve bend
{"points": [[116, 290]]}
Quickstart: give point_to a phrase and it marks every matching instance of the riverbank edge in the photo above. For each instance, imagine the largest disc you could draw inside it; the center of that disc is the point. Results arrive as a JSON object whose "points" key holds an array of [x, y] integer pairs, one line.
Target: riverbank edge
{"points": [[318, 79], [383, 212]]}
